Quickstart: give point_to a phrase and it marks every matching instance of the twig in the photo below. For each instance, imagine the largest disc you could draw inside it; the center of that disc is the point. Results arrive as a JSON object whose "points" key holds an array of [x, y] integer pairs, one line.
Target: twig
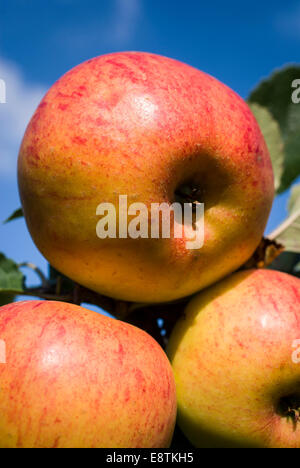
{"points": [[38, 271], [38, 292]]}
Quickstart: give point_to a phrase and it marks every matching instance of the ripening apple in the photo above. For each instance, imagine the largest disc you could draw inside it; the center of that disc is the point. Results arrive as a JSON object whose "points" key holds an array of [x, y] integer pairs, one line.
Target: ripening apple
{"points": [[236, 360], [156, 131], [76, 379]]}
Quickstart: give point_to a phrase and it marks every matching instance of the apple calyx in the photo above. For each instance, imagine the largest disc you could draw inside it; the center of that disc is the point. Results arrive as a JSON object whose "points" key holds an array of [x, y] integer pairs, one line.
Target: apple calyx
{"points": [[189, 193], [289, 407]]}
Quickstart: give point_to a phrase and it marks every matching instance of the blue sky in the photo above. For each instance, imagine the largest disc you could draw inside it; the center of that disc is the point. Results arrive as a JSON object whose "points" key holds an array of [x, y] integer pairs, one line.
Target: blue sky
{"points": [[237, 42]]}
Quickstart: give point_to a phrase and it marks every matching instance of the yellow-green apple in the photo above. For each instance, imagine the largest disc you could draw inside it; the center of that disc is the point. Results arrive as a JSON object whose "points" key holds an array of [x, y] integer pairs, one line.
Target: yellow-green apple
{"points": [[157, 131], [74, 378], [236, 360]]}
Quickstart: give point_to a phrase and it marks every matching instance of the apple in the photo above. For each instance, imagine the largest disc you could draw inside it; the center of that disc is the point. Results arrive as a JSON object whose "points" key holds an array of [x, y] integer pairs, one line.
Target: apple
{"points": [[235, 357], [156, 131], [76, 379]]}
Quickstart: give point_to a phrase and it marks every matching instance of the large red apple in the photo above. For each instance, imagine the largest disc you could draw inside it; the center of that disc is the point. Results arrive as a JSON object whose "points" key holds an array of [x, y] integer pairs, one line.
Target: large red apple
{"points": [[156, 130], [235, 356], [74, 378]]}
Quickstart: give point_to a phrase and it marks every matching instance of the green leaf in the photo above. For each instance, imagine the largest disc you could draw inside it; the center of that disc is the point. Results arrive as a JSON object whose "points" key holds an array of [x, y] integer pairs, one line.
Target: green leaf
{"points": [[272, 134], [16, 215], [292, 161], [275, 94], [288, 233], [6, 299], [11, 278], [286, 262], [294, 201]]}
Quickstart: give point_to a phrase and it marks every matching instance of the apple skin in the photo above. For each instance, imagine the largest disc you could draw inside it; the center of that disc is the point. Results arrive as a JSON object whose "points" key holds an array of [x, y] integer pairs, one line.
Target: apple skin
{"points": [[76, 379], [143, 125], [232, 360]]}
